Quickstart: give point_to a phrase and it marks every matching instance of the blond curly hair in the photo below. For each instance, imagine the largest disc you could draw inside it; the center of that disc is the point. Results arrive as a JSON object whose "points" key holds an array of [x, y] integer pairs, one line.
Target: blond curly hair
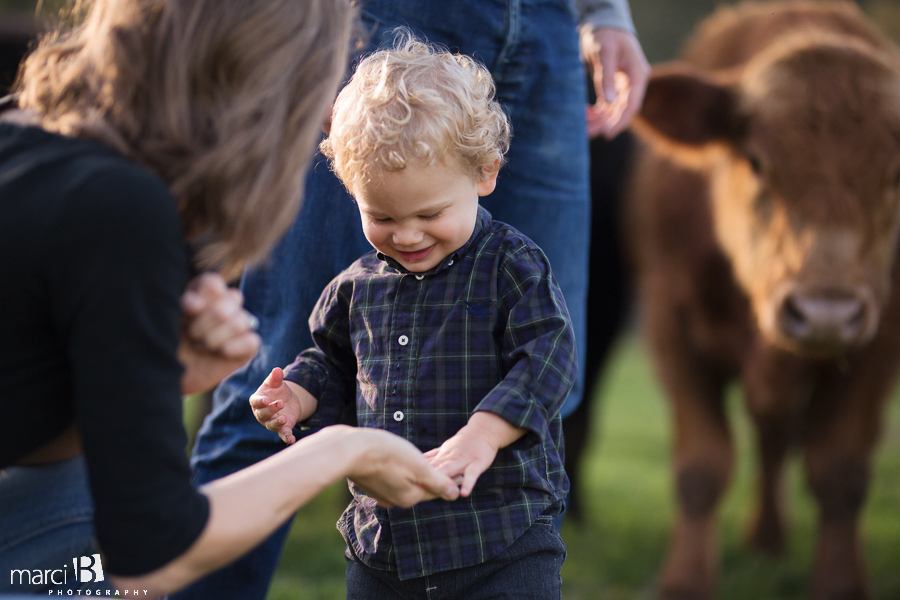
{"points": [[416, 102], [223, 99]]}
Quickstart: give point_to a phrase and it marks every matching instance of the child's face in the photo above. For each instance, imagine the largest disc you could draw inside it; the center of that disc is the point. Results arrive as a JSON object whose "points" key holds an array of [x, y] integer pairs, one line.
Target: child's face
{"points": [[421, 214]]}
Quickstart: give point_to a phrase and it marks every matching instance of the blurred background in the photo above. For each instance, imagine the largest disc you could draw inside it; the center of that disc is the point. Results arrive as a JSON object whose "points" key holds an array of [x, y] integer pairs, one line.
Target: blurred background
{"points": [[617, 548], [662, 25]]}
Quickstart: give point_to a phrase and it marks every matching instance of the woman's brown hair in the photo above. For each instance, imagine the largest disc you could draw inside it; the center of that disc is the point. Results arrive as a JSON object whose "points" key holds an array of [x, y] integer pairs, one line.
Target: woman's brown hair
{"points": [[223, 99]]}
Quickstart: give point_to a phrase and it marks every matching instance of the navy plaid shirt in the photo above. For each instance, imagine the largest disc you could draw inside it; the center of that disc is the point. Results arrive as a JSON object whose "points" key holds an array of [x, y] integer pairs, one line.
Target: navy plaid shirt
{"points": [[417, 354]]}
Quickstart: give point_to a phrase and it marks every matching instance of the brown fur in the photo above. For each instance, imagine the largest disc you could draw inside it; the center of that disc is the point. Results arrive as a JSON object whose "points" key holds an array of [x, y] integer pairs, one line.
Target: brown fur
{"points": [[765, 210]]}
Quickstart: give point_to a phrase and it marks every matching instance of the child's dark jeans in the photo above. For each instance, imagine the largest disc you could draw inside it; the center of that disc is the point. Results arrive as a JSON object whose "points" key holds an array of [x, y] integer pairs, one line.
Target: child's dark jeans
{"points": [[527, 570]]}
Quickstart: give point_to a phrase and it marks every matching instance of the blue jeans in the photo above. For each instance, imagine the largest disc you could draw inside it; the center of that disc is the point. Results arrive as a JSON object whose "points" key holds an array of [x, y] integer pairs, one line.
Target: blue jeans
{"points": [[531, 48], [46, 521], [527, 570]]}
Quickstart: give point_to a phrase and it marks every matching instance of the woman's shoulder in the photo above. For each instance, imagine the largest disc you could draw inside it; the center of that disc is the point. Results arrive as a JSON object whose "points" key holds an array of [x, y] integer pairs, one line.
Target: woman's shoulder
{"points": [[83, 186], [81, 173], [80, 196], [115, 187]]}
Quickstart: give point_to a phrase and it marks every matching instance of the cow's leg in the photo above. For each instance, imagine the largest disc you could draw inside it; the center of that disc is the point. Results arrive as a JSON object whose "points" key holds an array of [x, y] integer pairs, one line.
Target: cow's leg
{"points": [[703, 462], [777, 387], [843, 429], [766, 531]]}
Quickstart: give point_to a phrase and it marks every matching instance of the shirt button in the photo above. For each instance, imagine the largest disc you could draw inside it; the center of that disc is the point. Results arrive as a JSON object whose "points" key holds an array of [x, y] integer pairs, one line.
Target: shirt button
{"points": [[450, 263], [420, 277], [398, 416], [403, 340]]}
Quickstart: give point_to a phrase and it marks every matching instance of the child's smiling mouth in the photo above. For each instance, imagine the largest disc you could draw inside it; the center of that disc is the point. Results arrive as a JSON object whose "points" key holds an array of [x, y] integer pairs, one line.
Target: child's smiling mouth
{"points": [[417, 255]]}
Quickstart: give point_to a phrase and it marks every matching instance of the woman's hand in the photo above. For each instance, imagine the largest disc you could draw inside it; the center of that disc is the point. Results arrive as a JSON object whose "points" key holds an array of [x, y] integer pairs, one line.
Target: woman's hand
{"points": [[217, 333], [394, 472]]}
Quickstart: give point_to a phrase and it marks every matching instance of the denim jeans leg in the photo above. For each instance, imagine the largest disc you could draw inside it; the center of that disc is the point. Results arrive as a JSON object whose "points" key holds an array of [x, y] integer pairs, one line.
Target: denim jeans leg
{"points": [[543, 190], [527, 570], [46, 521], [366, 583], [531, 48], [325, 239]]}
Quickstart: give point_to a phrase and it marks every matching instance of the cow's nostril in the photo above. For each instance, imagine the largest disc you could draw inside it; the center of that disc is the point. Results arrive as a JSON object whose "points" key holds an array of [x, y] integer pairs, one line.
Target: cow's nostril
{"points": [[793, 320], [853, 326], [823, 319]]}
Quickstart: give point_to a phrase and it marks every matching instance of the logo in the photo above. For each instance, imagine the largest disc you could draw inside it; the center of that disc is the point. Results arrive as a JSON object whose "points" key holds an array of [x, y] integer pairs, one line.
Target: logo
{"points": [[89, 570]]}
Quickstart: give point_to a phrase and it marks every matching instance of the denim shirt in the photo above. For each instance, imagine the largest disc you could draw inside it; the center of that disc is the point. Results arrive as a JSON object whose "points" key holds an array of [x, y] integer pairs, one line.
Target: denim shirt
{"points": [[417, 354]]}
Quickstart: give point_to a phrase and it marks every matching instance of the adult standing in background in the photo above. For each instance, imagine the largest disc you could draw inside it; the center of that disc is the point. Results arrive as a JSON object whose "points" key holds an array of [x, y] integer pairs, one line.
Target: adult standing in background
{"points": [[533, 51], [153, 137]]}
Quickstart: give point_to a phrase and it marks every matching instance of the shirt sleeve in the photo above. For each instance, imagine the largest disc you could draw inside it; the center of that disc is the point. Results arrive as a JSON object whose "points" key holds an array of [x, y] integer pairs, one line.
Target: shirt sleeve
{"points": [[537, 347], [116, 270], [328, 370], [605, 13]]}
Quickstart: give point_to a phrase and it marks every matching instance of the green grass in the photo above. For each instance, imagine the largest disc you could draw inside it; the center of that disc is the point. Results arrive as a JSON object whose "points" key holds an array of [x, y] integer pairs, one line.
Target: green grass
{"points": [[617, 551]]}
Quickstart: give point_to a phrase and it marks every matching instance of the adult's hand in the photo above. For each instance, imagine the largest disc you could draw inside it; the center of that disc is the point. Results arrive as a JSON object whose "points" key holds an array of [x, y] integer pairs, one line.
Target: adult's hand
{"points": [[620, 72], [217, 333], [395, 473]]}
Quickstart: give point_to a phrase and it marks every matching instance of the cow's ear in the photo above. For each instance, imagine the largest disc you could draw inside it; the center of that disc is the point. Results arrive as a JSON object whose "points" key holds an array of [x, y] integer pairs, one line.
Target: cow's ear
{"points": [[687, 109]]}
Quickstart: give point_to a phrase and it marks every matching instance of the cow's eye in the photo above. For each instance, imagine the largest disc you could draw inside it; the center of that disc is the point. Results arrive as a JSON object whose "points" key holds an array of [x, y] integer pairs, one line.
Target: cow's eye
{"points": [[755, 163]]}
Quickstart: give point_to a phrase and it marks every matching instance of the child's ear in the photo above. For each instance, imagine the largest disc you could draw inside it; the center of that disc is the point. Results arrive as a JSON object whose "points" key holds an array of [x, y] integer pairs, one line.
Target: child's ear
{"points": [[488, 181]]}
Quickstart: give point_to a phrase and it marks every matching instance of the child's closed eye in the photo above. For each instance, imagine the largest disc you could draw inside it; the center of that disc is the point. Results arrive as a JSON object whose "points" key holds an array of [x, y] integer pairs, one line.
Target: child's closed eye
{"points": [[431, 217]]}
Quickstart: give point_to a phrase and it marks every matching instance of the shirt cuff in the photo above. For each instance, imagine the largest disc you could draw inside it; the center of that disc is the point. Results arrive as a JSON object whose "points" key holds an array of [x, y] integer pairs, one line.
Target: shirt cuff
{"points": [[606, 16], [522, 412], [314, 379]]}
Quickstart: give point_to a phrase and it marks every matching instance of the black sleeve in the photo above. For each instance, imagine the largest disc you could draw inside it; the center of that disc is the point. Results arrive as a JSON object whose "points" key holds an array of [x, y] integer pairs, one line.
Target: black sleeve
{"points": [[117, 270]]}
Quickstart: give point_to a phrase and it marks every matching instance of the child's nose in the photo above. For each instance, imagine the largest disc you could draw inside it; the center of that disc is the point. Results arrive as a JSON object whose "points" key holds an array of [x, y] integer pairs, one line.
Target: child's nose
{"points": [[407, 236]]}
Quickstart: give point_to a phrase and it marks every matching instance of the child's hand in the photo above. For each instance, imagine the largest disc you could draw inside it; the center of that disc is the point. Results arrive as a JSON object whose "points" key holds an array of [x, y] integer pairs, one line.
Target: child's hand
{"points": [[463, 458], [469, 453], [275, 406]]}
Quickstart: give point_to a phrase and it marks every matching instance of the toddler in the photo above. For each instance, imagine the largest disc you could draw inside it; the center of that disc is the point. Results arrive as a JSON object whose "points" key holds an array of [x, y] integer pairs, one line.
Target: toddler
{"points": [[452, 333]]}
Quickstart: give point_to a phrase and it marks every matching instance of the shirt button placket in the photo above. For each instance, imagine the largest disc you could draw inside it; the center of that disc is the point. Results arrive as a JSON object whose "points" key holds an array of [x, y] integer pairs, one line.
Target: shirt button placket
{"points": [[403, 340], [403, 327]]}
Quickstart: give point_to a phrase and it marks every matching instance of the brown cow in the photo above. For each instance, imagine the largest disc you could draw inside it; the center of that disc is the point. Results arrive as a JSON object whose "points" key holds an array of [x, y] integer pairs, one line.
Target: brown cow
{"points": [[764, 226]]}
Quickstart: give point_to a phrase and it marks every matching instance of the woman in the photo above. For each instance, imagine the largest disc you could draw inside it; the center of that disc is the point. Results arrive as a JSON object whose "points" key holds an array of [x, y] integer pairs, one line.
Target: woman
{"points": [[157, 136]]}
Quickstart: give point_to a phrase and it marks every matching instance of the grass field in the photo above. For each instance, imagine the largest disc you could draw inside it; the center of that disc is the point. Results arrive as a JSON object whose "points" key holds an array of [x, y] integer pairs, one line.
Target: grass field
{"points": [[615, 553]]}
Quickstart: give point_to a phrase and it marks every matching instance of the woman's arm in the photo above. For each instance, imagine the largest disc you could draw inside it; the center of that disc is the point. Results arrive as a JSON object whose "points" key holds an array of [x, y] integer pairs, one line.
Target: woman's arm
{"points": [[246, 507]]}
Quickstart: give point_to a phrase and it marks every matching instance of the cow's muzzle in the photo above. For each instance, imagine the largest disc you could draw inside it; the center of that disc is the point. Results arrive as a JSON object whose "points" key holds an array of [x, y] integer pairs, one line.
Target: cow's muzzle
{"points": [[825, 319]]}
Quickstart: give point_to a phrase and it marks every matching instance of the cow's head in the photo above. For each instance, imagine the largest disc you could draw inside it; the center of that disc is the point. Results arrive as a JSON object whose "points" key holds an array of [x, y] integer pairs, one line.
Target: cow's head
{"points": [[802, 146]]}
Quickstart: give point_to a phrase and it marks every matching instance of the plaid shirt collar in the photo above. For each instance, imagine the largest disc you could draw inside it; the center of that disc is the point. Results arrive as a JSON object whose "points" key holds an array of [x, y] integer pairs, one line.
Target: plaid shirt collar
{"points": [[482, 224]]}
